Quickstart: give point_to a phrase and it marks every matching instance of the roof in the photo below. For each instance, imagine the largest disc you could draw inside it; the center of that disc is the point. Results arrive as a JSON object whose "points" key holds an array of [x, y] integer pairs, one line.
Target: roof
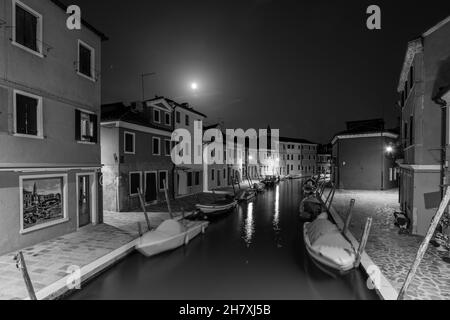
{"points": [[120, 112], [296, 140], [179, 105], [87, 24], [350, 134]]}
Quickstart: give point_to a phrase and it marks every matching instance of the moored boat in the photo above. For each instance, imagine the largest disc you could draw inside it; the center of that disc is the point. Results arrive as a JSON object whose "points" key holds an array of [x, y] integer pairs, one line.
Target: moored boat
{"points": [[247, 195], [217, 207], [169, 235], [328, 248]]}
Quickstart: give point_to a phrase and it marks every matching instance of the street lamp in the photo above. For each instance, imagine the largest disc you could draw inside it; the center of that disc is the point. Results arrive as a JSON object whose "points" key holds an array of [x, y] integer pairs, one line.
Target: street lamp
{"points": [[389, 149]]}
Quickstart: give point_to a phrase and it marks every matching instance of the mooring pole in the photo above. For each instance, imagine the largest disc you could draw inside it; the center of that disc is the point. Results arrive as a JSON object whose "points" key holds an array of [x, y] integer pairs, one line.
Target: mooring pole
{"points": [[362, 245], [21, 265], [424, 246], [166, 192], [141, 199], [349, 216]]}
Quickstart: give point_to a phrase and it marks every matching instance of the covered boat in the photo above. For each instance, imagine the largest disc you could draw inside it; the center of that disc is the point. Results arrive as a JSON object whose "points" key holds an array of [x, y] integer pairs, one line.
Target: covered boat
{"points": [[328, 248], [169, 235], [310, 208], [217, 207]]}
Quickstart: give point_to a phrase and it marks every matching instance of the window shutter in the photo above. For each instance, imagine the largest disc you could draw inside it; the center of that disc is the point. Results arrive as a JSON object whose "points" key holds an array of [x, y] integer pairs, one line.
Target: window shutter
{"points": [[94, 121], [77, 125], [21, 115], [32, 105]]}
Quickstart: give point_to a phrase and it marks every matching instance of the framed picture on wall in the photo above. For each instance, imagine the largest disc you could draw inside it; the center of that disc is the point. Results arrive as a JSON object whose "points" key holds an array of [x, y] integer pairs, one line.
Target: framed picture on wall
{"points": [[43, 201]]}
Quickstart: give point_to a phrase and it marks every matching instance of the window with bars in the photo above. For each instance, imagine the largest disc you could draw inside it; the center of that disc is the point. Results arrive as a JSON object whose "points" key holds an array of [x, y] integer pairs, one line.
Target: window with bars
{"points": [[86, 127], [27, 30]]}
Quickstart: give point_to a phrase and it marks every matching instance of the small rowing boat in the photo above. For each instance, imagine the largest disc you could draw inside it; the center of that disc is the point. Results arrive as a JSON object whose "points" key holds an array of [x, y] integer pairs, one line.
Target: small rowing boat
{"points": [[169, 235], [217, 207], [310, 208]]}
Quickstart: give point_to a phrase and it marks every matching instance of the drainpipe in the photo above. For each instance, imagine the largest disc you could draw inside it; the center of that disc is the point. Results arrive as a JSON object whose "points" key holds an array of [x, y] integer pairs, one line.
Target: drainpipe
{"points": [[444, 164]]}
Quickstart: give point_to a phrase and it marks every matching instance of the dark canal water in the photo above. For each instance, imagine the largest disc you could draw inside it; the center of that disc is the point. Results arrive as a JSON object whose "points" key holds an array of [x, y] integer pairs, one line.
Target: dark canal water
{"points": [[256, 252]]}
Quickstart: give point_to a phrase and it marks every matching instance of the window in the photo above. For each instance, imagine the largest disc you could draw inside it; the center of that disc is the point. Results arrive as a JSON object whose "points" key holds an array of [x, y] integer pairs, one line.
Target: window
{"points": [[168, 120], [178, 116], [86, 127], [213, 175], [129, 143], [157, 116], [27, 33], [162, 178], [189, 179], [156, 146], [27, 114], [86, 60], [43, 201], [197, 178], [168, 148], [135, 183], [187, 120], [224, 173]]}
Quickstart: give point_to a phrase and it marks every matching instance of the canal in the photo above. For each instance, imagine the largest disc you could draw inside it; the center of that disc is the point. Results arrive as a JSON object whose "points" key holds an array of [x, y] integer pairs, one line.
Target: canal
{"points": [[256, 252]]}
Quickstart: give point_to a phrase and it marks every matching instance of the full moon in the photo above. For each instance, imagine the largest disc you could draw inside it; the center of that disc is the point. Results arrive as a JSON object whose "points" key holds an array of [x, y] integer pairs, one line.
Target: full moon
{"points": [[194, 86]]}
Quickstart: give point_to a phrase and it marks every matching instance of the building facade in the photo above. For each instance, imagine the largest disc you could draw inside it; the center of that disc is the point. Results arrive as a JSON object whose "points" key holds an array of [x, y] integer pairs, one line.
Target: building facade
{"points": [[364, 157], [299, 157], [50, 98], [324, 160], [424, 134], [136, 154]]}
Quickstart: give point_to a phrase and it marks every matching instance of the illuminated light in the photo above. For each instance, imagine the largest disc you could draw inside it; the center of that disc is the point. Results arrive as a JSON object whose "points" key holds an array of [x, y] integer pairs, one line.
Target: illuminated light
{"points": [[194, 86], [389, 149]]}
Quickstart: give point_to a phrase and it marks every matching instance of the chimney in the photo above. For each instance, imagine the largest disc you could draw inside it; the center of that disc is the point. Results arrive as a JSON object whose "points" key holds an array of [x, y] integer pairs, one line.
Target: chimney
{"points": [[137, 106]]}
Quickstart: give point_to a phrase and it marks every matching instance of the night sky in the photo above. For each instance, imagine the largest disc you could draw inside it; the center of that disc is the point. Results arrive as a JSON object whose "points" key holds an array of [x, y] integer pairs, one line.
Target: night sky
{"points": [[303, 67]]}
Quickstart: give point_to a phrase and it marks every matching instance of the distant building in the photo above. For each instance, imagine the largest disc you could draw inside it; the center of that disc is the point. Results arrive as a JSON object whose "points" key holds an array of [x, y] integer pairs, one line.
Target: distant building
{"points": [[364, 157], [136, 153], [423, 89], [324, 159], [299, 157], [50, 98]]}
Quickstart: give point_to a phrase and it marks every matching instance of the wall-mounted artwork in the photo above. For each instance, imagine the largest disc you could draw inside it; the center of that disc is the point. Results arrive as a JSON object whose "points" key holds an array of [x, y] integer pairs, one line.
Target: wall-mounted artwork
{"points": [[43, 201]]}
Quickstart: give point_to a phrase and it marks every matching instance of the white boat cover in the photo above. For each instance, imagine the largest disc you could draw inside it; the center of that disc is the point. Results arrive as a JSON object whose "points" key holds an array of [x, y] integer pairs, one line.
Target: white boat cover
{"points": [[171, 228], [326, 239]]}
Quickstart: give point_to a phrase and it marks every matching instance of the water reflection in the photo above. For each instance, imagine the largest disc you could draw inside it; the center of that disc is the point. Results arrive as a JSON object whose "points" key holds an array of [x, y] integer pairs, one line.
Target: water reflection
{"points": [[276, 218], [249, 226]]}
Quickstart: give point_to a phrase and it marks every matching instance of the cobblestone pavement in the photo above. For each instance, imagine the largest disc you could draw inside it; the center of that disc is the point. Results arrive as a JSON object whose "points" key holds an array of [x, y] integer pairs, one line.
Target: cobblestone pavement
{"points": [[391, 252], [49, 261]]}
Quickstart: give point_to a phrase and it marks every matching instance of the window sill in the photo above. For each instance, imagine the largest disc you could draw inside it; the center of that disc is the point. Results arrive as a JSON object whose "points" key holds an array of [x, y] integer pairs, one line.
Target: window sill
{"points": [[86, 77], [20, 135], [130, 153], [86, 142], [36, 53], [43, 226]]}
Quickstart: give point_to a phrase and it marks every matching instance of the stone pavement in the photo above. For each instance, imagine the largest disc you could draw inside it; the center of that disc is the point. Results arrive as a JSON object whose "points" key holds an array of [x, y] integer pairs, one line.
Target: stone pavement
{"points": [[391, 252], [49, 261]]}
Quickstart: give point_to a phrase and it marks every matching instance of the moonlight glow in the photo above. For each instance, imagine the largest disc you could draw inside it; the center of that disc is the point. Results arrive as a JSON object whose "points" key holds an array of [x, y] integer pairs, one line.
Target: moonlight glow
{"points": [[194, 86]]}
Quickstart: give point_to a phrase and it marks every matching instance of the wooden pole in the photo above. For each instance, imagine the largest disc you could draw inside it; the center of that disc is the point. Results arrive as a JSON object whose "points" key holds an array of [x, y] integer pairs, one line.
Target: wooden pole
{"points": [[139, 229], [349, 216], [21, 265], [424, 246], [166, 192], [362, 245], [141, 199]]}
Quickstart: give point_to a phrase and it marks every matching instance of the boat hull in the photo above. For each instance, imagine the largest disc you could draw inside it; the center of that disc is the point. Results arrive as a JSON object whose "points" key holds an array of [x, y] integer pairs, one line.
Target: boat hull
{"points": [[155, 243], [324, 263], [216, 210]]}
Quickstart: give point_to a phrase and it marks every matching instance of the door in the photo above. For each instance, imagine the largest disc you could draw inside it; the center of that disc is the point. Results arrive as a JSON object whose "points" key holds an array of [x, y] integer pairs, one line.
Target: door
{"points": [[151, 192], [84, 201]]}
